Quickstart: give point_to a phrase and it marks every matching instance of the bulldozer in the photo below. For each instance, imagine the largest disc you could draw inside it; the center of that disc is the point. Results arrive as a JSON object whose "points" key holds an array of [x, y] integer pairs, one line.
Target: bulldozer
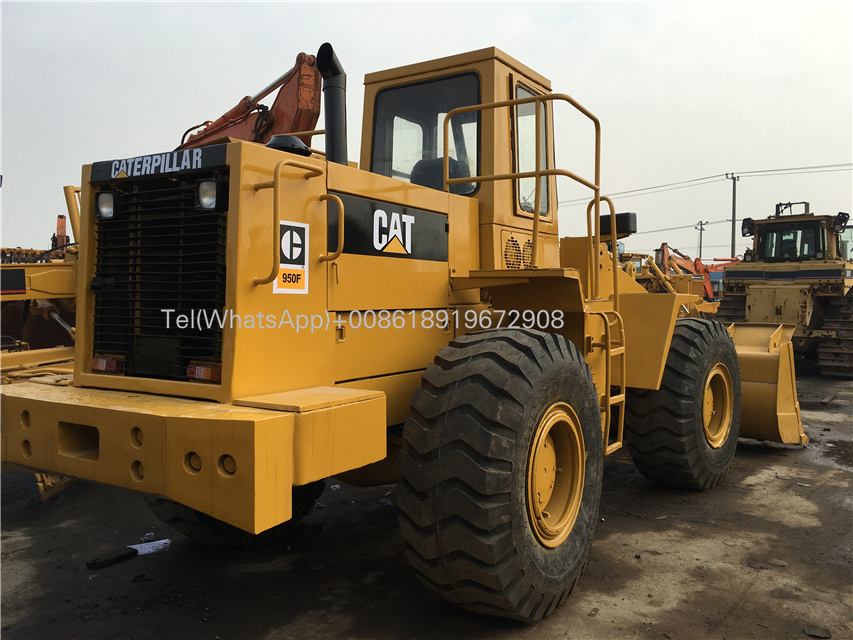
{"points": [[798, 271], [253, 319]]}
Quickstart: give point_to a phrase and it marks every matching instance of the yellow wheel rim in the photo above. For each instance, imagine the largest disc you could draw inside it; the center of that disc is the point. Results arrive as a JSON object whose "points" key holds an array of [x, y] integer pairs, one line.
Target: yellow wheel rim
{"points": [[555, 475], [717, 406]]}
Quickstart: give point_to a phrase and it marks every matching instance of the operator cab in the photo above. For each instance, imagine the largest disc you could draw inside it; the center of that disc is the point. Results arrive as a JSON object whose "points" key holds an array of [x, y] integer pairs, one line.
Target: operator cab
{"points": [[405, 111], [797, 238]]}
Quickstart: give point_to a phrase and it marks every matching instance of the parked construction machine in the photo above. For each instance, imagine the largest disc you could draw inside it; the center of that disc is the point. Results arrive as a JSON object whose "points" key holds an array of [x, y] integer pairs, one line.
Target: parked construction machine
{"points": [[799, 271], [37, 288], [255, 318], [680, 263]]}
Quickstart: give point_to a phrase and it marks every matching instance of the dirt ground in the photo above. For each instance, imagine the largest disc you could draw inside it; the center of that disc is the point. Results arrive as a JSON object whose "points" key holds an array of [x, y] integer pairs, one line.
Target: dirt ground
{"points": [[767, 554]]}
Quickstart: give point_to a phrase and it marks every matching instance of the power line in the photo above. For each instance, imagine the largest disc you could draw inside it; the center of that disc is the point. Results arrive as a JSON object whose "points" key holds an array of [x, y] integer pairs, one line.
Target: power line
{"points": [[672, 186], [687, 226], [795, 173], [847, 165], [697, 182]]}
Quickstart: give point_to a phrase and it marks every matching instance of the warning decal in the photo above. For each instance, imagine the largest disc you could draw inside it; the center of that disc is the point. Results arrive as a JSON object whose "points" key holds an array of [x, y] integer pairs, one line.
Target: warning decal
{"points": [[293, 258]]}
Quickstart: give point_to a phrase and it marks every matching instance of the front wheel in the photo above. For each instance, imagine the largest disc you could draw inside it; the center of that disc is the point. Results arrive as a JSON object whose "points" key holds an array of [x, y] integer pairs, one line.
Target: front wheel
{"points": [[502, 473], [685, 434]]}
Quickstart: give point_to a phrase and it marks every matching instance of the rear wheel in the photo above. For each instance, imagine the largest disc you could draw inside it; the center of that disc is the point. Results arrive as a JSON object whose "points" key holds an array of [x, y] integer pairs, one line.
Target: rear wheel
{"points": [[208, 530], [685, 433], [502, 473]]}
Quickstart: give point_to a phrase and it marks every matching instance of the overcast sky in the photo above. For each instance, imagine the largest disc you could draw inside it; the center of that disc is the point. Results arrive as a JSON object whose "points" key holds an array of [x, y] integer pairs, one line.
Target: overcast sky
{"points": [[683, 91]]}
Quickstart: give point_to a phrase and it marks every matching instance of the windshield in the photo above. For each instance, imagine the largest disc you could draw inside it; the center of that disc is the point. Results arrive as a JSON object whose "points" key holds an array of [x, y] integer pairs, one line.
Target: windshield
{"points": [[408, 132], [785, 243]]}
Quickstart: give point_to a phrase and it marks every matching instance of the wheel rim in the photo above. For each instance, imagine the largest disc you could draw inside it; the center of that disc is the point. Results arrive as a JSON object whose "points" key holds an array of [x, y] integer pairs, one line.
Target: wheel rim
{"points": [[555, 475], [717, 403]]}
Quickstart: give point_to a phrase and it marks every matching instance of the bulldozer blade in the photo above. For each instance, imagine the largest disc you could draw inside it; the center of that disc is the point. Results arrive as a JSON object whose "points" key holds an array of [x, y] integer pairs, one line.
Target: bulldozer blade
{"points": [[769, 407]]}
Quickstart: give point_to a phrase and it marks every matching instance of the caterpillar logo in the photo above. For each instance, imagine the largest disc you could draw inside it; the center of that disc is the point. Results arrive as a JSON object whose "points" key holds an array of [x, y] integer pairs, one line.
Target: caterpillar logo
{"points": [[160, 163], [392, 234], [292, 258], [156, 164], [388, 230]]}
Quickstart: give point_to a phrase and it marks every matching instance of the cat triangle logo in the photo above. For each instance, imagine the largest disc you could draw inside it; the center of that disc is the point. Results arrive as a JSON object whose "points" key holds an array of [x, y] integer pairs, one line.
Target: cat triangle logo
{"points": [[395, 246], [392, 232]]}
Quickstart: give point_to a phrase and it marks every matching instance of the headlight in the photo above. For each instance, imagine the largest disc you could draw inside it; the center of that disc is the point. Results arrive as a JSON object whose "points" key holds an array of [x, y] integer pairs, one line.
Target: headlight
{"points": [[207, 194], [106, 204], [748, 256], [211, 195]]}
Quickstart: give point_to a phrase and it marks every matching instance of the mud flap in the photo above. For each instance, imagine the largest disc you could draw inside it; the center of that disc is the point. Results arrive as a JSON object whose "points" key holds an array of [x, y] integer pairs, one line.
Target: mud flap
{"points": [[769, 407]]}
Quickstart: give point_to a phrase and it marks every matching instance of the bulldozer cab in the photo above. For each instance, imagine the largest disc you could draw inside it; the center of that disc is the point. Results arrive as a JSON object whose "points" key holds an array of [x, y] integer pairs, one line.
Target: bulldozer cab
{"points": [[796, 237]]}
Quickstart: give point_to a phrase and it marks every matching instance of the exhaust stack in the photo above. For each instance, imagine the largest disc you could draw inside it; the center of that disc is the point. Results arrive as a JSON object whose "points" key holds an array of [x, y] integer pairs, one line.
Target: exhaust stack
{"points": [[335, 103]]}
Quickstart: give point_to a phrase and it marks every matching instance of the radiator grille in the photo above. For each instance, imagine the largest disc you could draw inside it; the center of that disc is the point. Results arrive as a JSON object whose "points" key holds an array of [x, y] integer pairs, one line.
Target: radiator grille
{"points": [[158, 252]]}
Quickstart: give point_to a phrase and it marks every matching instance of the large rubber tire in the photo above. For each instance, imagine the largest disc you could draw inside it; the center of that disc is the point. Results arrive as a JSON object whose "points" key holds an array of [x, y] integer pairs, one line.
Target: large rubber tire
{"points": [[491, 408], [208, 530], [685, 434]]}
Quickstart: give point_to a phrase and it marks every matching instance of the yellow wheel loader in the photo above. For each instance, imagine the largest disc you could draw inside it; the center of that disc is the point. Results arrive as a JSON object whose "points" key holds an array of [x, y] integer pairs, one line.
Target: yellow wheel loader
{"points": [[253, 319]]}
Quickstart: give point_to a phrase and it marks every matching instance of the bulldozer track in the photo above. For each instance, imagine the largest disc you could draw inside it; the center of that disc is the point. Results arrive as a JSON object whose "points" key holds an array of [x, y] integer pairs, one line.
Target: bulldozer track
{"points": [[835, 355], [732, 309]]}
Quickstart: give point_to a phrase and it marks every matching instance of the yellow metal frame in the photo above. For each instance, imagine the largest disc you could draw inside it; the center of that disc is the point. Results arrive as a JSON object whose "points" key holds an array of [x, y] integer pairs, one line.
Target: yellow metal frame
{"points": [[236, 462]]}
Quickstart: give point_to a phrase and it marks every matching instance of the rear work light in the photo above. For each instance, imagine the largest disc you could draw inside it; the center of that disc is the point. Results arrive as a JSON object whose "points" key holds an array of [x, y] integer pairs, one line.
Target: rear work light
{"points": [[105, 364], [205, 372]]}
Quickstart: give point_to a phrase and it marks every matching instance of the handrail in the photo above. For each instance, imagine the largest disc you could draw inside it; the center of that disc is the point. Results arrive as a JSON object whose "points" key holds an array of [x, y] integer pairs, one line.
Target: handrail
{"points": [[328, 257], [614, 257], [275, 184], [539, 172], [71, 193]]}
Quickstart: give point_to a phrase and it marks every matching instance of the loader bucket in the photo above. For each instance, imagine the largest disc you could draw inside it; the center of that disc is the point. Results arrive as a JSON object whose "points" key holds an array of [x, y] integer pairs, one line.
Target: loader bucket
{"points": [[769, 407]]}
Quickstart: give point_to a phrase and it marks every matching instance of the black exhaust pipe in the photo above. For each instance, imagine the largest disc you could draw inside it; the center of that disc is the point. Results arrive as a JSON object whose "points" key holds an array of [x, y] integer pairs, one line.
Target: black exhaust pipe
{"points": [[335, 103]]}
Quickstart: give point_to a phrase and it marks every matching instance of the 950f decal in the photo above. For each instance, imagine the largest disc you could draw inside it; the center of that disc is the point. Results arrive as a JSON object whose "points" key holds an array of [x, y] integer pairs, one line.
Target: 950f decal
{"points": [[293, 258]]}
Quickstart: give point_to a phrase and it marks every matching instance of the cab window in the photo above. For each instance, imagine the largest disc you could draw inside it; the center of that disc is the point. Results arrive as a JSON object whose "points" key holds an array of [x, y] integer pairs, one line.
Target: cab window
{"points": [[782, 244], [408, 132], [525, 152]]}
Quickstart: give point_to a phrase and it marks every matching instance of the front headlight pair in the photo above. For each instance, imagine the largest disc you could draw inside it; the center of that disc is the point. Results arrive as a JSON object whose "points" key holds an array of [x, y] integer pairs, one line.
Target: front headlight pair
{"points": [[210, 195]]}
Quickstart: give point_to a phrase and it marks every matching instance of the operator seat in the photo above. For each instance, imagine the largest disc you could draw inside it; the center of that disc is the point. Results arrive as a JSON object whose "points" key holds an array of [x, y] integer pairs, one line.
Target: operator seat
{"points": [[429, 172]]}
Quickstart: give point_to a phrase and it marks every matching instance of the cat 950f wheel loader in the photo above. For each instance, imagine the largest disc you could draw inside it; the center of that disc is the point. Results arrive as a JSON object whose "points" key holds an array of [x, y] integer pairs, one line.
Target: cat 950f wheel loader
{"points": [[253, 319]]}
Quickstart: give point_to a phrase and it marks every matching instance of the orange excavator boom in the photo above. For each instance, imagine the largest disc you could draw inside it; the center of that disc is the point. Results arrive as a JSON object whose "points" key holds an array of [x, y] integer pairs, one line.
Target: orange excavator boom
{"points": [[296, 108]]}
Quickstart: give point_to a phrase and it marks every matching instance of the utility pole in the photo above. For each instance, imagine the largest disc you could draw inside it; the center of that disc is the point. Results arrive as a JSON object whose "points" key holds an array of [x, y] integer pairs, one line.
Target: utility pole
{"points": [[734, 179], [701, 229]]}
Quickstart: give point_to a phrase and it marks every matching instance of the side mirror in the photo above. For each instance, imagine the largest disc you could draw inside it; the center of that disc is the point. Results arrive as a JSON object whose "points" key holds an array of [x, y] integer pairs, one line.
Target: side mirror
{"points": [[747, 227]]}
